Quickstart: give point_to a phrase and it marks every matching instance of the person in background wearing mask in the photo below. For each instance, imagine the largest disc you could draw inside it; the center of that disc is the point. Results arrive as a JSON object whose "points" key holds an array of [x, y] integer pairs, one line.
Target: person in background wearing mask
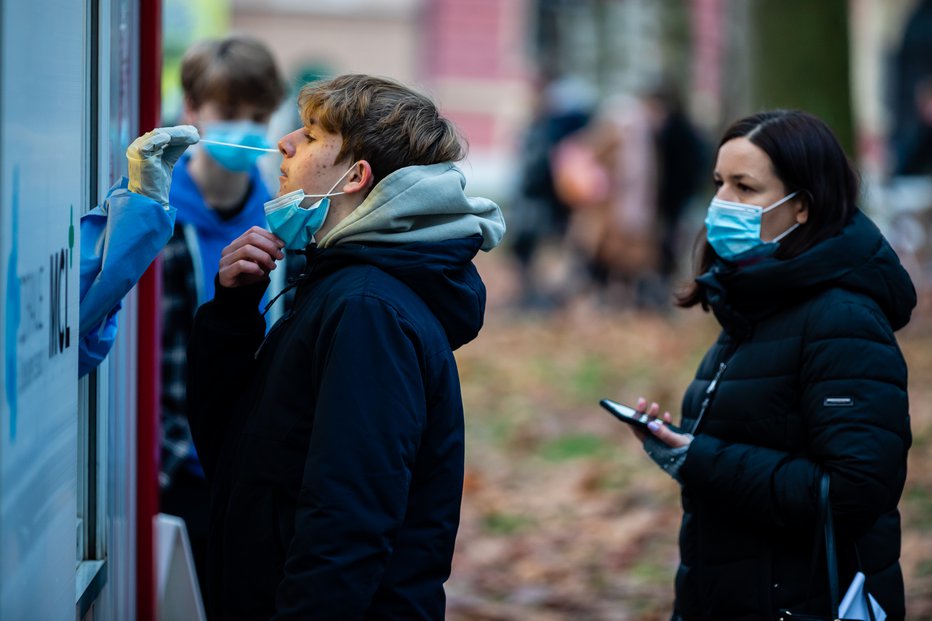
{"points": [[334, 445], [231, 87], [805, 378]]}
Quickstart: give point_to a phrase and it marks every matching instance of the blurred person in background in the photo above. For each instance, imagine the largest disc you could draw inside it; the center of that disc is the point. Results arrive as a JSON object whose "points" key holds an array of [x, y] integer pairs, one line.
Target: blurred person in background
{"points": [[681, 161], [911, 71], [334, 445], [606, 173], [915, 154], [231, 87], [563, 106], [805, 378]]}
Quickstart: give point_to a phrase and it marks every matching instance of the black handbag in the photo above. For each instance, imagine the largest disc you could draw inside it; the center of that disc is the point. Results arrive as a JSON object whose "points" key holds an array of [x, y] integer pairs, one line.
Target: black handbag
{"points": [[831, 561]]}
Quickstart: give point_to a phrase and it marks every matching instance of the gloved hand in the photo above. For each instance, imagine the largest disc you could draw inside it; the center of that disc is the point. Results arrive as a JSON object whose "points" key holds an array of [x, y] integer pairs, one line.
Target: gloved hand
{"points": [[669, 458], [153, 155]]}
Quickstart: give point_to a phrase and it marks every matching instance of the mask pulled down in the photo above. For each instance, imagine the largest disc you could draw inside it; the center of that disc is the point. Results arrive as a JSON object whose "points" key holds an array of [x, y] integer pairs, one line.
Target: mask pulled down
{"points": [[295, 224]]}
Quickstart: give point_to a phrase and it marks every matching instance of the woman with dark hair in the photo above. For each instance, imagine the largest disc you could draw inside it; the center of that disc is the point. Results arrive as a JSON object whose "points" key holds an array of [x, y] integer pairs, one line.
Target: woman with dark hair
{"points": [[805, 378]]}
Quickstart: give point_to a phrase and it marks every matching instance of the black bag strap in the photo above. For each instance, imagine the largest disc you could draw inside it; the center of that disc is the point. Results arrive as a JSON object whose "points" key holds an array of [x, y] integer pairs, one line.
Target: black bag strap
{"points": [[831, 560], [827, 534], [867, 597]]}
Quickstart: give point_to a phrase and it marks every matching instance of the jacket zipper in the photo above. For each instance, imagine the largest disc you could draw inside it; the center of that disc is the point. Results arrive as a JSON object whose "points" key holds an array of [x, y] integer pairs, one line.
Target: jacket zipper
{"points": [[713, 385], [709, 393], [275, 327], [291, 285]]}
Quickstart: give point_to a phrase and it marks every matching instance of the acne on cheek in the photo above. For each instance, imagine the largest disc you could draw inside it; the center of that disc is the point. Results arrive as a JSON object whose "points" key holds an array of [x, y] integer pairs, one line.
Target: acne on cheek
{"points": [[330, 153]]}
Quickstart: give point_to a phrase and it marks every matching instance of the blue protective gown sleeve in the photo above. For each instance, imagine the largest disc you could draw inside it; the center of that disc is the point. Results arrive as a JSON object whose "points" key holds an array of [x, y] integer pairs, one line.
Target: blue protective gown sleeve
{"points": [[119, 239]]}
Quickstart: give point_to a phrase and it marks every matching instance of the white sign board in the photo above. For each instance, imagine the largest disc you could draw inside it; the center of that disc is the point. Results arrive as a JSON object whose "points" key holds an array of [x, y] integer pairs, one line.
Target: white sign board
{"points": [[42, 196]]}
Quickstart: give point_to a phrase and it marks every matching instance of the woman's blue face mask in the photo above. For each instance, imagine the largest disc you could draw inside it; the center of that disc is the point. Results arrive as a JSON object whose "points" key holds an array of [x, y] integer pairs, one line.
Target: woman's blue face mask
{"points": [[734, 229]]}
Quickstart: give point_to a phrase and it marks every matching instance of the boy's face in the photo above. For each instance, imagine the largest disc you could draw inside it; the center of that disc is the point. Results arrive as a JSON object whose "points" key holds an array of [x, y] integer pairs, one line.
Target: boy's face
{"points": [[308, 164]]}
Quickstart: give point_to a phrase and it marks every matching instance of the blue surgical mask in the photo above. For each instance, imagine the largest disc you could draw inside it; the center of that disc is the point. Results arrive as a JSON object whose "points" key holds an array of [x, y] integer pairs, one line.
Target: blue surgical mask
{"points": [[294, 223], [243, 133], [733, 229]]}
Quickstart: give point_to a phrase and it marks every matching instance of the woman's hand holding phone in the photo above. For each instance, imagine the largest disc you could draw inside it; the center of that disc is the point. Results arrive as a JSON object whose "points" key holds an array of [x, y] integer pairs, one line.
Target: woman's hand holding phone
{"points": [[664, 443], [646, 421], [660, 426]]}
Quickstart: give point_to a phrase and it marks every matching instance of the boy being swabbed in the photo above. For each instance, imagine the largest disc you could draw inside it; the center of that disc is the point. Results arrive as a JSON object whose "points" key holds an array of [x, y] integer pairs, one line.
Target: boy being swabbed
{"points": [[334, 446]]}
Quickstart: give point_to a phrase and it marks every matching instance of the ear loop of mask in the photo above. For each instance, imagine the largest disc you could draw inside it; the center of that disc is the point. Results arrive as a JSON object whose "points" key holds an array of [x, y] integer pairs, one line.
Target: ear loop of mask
{"points": [[285, 200], [779, 202], [298, 278], [789, 230], [331, 192]]}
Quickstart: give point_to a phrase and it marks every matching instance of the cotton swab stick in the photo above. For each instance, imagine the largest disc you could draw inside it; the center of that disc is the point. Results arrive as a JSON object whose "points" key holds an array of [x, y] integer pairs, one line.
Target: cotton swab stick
{"points": [[239, 146]]}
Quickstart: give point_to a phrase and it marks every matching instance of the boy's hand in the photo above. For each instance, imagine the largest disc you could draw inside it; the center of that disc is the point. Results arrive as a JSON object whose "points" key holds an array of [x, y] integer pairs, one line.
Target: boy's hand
{"points": [[152, 156], [250, 258]]}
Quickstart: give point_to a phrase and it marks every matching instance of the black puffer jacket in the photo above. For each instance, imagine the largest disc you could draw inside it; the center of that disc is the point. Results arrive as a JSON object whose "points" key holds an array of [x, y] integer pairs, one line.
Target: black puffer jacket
{"points": [[335, 447], [806, 375]]}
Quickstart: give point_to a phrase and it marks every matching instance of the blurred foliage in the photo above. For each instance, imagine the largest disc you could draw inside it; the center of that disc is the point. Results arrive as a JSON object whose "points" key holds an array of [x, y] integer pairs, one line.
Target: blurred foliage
{"points": [[184, 22], [503, 524], [800, 59], [573, 446]]}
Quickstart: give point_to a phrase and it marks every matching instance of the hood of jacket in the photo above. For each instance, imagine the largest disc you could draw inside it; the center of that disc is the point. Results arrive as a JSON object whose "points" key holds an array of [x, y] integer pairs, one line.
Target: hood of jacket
{"points": [[420, 204], [858, 259], [440, 273]]}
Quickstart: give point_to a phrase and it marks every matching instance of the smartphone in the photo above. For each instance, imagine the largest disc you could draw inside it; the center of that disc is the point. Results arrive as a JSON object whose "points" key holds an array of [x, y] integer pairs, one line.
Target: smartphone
{"points": [[627, 414]]}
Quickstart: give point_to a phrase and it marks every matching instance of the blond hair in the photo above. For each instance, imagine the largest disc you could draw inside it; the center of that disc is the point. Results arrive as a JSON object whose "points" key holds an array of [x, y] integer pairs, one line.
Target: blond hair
{"points": [[381, 121]]}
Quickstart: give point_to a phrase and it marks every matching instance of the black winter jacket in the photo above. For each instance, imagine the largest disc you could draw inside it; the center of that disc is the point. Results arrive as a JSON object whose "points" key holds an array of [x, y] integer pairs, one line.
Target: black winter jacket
{"points": [[806, 376], [334, 447]]}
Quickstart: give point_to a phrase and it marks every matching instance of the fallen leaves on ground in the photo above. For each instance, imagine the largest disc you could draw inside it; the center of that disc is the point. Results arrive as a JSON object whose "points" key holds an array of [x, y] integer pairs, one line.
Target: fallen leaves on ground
{"points": [[563, 516]]}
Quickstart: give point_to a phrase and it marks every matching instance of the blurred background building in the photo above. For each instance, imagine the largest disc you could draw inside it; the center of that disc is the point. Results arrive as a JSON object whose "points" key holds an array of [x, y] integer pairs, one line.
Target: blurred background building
{"points": [[845, 60], [488, 63]]}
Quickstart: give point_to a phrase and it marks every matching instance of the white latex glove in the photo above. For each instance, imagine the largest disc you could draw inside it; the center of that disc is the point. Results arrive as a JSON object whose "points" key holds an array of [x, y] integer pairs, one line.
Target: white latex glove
{"points": [[153, 155]]}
